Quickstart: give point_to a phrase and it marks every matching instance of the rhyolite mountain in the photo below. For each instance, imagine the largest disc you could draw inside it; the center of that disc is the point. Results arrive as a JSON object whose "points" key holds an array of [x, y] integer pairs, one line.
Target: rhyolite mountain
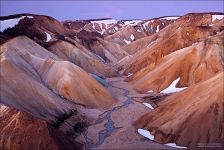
{"points": [[112, 84]]}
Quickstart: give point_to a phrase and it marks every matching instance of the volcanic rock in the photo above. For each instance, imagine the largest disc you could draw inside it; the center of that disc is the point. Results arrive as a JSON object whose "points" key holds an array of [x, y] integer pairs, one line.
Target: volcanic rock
{"points": [[149, 50], [51, 87], [19, 130], [81, 57], [193, 64], [192, 116]]}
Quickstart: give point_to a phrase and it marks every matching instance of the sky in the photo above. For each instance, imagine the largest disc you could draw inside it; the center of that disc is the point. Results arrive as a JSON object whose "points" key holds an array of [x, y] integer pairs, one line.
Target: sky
{"points": [[65, 10]]}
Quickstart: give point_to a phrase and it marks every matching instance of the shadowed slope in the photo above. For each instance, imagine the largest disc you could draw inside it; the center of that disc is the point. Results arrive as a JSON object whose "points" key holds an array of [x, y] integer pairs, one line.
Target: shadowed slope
{"points": [[82, 58], [20, 131], [35, 80]]}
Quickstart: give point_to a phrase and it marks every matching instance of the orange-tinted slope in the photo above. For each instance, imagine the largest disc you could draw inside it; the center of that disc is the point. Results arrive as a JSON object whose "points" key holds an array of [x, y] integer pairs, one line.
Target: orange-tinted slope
{"points": [[192, 64], [37, 81], [81, 57], [192, 116], [149, 50], [20, 131]]}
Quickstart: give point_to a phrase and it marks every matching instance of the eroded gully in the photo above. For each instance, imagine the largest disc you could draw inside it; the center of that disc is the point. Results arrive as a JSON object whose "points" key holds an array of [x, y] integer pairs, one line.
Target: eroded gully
{"points": [[109, 125]]}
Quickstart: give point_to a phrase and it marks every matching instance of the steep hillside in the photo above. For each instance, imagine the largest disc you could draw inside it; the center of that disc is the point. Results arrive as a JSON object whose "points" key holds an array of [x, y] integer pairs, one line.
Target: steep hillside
{"points": [[43, 29], [112, 84], [37, 27], [81, 57], [134, 30], [192, 116], [108, 51], [109, 26], [51, 86], [192, 64], [182, 33], [20, 131]]}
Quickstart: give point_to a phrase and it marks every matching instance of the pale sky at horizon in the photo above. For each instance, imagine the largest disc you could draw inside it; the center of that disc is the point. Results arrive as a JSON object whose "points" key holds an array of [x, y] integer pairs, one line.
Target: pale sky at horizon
{"points": [[64, 10]]}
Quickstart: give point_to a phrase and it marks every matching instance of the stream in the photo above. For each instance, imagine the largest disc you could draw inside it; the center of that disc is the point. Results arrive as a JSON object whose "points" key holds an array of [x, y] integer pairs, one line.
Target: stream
{"points": [[109, 125]]}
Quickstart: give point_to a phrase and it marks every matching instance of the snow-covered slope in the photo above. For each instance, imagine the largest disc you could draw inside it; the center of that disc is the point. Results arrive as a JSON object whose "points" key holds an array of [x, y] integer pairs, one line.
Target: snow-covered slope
{"points": [[9, 23]]}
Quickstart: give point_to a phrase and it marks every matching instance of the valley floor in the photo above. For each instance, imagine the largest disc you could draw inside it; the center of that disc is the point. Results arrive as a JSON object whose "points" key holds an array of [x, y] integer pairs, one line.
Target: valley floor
{"points": [[113, 129], [53, 90]]}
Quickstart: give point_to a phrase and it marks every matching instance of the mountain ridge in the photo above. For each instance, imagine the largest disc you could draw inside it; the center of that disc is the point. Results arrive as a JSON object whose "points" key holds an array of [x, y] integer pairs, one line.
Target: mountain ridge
{"points": [[103, 84]]}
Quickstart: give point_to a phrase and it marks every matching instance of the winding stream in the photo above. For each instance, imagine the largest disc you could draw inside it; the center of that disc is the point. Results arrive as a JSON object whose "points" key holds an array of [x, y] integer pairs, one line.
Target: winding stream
{"points": [[109, 125]]}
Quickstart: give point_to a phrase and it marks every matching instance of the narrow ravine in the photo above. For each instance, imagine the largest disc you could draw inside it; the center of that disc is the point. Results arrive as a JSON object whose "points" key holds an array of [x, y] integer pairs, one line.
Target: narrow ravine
{"points": [[109, 125]]}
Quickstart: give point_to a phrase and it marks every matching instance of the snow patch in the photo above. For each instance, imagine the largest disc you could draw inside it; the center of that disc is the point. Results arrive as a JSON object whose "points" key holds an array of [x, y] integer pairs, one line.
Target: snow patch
{"points": [[101, 26], [102, 32], [132, 22], [148, 105], [94, 26], [132, 37], [126, 41], [172, 88], [145, 26], [175, 145], [146, 134], [151, 27], [130, 74], [2, 108], [157, 29], [219, 17], [170, 18], [9, 23], [138, 30], [106, 22], [29, 17], [150, 21], [48, 37]]}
